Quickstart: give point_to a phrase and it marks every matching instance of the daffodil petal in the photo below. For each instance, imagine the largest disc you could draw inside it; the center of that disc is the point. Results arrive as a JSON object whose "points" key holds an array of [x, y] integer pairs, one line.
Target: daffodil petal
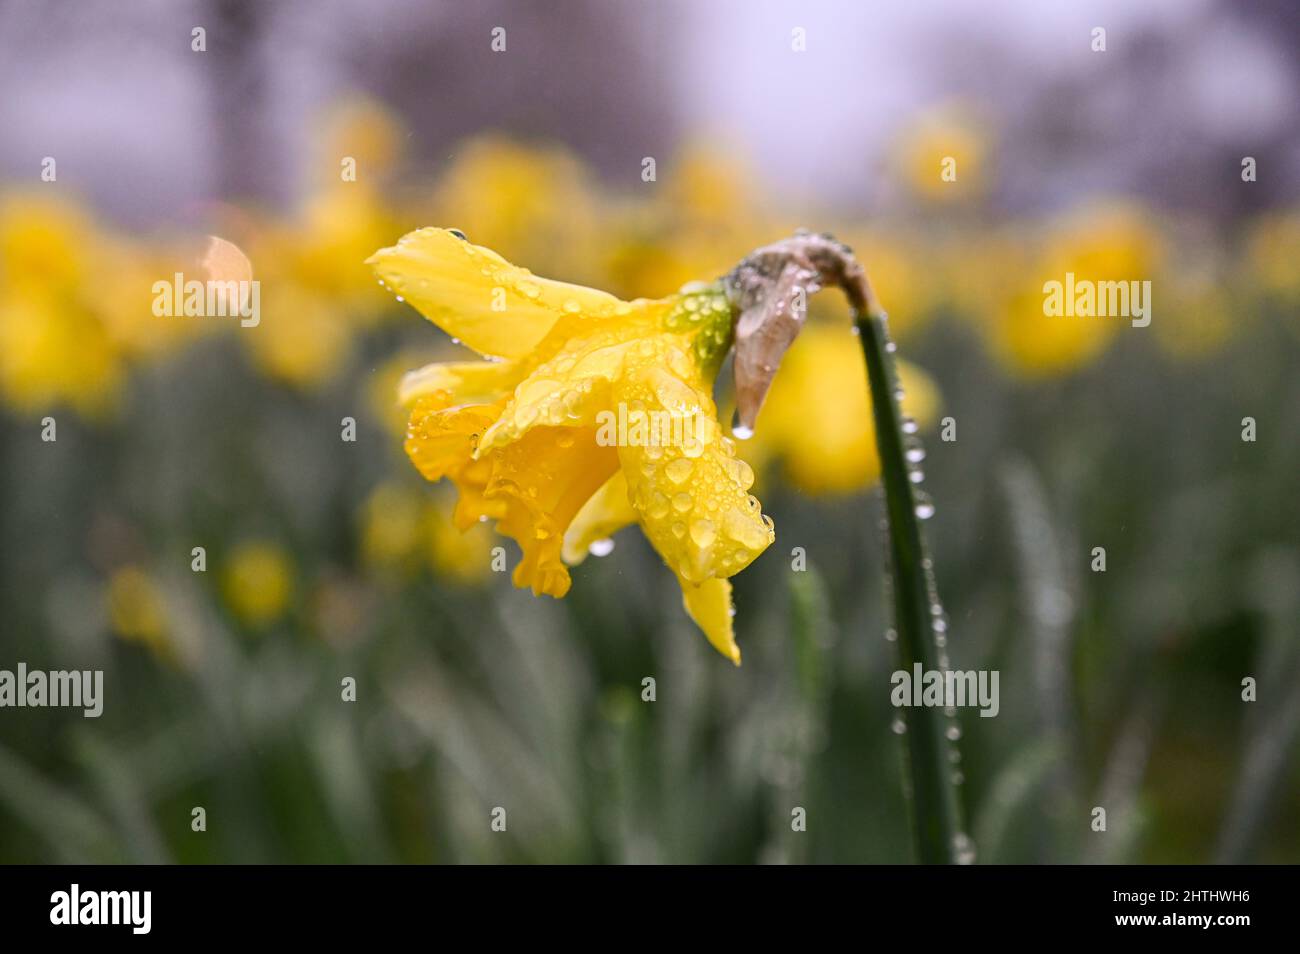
{"points": [[572, 385], [476, 296], [440, 440], [604, 514], [542, 482], [472, 382], [443, 434], [691, 492], [709, 605]]}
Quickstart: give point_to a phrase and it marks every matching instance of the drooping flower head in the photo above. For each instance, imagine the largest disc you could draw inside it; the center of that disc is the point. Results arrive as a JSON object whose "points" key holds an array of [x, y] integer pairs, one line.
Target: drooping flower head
{"points": [[589, 414]]}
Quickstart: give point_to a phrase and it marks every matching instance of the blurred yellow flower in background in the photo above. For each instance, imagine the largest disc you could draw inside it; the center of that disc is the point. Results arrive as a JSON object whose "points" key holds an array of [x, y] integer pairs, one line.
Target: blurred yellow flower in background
{"points": [[53, 346], [532, 201], [943, 154], [700, 220], [900, 276], [461, 556], [136, 610], [45, 240], [403, 527], [1104, 242], [327, 251], [53, 352], [817, 419], [302, 339], [1271, 256], [257, 582], [75, 299], [76, 307], [391, 520], [361, 129]]}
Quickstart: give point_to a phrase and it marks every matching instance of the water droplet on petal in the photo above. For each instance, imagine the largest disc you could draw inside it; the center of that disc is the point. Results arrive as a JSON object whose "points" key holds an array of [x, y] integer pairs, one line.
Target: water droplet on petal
{"points": [[679, 470], [703, 532]]}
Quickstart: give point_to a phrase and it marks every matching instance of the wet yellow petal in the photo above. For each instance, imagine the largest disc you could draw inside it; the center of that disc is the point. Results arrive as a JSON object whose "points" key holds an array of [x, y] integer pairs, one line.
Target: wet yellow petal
{"points": [[541, 482], [440, 440], [443, 434], [571, 386], [607, 512], [690, 489], [478, 297], [709, 604], [472, 382]]}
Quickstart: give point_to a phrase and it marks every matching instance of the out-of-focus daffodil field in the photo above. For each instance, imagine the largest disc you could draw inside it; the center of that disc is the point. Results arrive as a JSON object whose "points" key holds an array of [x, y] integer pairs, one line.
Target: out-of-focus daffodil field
{"points": [[325, 559]]}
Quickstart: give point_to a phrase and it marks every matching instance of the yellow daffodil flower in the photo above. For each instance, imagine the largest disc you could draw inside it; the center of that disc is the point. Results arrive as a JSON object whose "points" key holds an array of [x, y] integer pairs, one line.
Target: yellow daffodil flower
{"points": [[591, 414]]}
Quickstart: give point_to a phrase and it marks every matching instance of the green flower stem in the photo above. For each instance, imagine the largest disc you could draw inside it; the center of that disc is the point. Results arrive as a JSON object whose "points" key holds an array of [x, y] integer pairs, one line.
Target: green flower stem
{"points": [[936, 810], [763, 291]]}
